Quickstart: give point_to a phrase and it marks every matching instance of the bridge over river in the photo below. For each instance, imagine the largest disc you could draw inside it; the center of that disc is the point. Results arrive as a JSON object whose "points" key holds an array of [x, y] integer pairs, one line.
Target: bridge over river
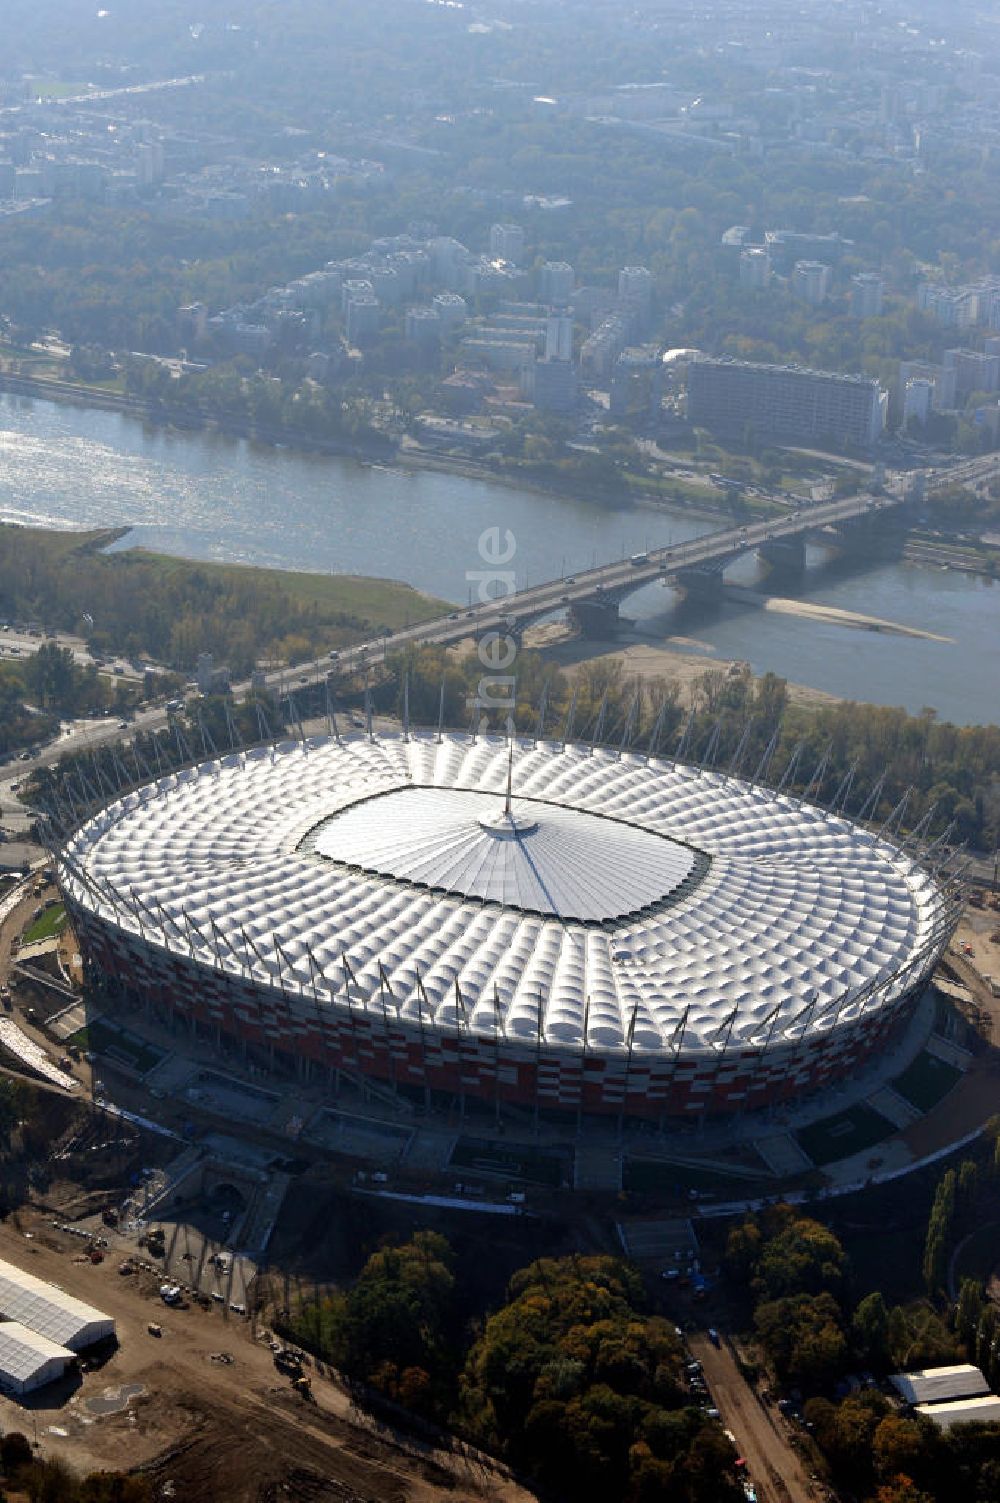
{"points": [[593, 596]]}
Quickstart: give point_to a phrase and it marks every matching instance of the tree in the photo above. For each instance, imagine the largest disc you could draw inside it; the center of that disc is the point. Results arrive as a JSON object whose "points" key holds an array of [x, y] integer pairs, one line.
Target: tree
{"points": [[968, 1311], [902, 1490], [396, 1327], [898, 1446], [573, 1382], [805, 1257], [870, 1330], [803, 1338]]}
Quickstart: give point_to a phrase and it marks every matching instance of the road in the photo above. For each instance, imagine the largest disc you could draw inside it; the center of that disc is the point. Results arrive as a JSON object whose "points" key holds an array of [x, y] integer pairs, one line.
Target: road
{"points": [[608, 582], [774, 1466]]}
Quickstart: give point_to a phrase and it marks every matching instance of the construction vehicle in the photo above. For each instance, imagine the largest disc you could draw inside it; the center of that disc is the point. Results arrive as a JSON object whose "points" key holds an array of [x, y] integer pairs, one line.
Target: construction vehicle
{"points": [[154, 1329], [288, 1362]]}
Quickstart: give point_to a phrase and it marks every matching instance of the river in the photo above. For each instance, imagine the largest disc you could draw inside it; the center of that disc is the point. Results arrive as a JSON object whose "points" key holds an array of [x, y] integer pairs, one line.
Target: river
{"points": [[206, 496]]}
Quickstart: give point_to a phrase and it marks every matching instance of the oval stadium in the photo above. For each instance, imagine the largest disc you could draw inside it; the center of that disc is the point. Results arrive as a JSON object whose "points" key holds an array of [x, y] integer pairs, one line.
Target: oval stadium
{"points": [[557, 926]]}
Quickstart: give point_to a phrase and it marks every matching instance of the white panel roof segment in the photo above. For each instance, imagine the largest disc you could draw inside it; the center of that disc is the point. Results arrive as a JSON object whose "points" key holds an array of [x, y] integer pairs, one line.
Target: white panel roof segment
{"points": [[539, 857], [48, 1310], [623, 882], [23, 1351], [929, 1385]]}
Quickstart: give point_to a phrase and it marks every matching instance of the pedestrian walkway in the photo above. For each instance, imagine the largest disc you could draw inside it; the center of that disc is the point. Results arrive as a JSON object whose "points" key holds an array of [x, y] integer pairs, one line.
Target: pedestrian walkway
{"points": [[782, 1154], [597, 1168], [949, 1052], [894, 1107]]}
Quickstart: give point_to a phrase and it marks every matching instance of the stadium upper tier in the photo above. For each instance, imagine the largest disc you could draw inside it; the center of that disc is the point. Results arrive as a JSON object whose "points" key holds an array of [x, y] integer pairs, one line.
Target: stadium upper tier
{"points": [[647, 905]]}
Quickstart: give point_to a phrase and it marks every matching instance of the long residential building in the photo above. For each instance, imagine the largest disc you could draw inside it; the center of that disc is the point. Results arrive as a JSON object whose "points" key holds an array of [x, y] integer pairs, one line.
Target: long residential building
{"points": [[786, 401]]}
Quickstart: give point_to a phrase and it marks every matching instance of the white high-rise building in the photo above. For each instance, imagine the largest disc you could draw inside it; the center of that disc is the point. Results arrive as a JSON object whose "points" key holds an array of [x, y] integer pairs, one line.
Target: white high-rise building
{"points": [[452, 310], [149, 163], [556, 280], [811, 282], [559, 339], [507, 242], [918, 400], [755, 268], [423, 326], [866, 295], [635, 285]]}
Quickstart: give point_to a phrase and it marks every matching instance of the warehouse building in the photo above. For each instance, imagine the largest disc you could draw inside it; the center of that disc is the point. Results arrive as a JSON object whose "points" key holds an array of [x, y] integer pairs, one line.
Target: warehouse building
{"points": [[933, 1385], [28, 1360], [49, 1312], [984, 1410]]}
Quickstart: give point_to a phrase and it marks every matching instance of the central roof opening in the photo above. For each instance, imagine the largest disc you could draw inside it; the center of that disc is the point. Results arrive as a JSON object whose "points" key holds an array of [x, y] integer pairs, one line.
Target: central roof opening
{"points": [[524, 853]]}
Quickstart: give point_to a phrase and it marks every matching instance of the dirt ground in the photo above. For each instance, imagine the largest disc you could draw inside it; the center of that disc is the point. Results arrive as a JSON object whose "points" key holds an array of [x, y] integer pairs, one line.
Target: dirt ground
{"points": [[234, 1431], [761, 1438], [681, 660]]}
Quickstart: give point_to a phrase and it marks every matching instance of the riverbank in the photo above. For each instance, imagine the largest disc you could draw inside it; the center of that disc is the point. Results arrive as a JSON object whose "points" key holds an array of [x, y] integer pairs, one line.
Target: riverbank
{"points": [[192, 419], [678, 660], [376, 449], [210, 499]]}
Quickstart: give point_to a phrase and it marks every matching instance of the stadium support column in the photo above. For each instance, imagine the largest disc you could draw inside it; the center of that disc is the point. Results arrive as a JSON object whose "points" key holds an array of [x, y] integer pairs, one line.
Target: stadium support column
{"points": [[385, 990], [460, 1018], [629, 1045], [422, 1002], [497, 1023], [538, 1063], [583, 1067]]}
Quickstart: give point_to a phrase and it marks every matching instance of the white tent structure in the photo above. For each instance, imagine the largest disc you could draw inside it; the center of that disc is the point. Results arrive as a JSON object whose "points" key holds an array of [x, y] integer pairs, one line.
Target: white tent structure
{"points": [[28, 1360], [983, 1410], [932, 1385], [49, 1312]]}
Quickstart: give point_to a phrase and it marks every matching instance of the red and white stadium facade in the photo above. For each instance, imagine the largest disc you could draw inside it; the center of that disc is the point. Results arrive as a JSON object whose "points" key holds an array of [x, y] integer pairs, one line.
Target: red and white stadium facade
{"points": [[550, 925]]}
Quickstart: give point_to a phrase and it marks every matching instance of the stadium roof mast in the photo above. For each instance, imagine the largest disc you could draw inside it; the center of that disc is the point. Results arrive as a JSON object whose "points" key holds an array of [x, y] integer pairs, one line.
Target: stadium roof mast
{"points": [[510, 779]]}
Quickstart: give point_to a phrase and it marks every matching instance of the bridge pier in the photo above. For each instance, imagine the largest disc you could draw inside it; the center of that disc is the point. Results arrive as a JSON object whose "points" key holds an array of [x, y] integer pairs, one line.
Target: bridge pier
{"points": [[878, 535], [700, 584], [596, 619], [786, 555]]}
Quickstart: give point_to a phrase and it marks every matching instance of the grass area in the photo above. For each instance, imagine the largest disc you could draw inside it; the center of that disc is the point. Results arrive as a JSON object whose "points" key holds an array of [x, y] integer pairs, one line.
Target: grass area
{"points": [[650, 1176], [673, 489], [108, 1042], [514, 1161], [52, 921], [56, 88], [385, 601], [849, 1132], [52, 547], [925, 1080]]}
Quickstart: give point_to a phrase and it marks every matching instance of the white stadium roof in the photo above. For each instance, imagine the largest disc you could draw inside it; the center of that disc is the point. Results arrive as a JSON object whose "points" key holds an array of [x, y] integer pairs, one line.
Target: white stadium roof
{"points": [[49, 1312], [25, 1357], [625, 896]]}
